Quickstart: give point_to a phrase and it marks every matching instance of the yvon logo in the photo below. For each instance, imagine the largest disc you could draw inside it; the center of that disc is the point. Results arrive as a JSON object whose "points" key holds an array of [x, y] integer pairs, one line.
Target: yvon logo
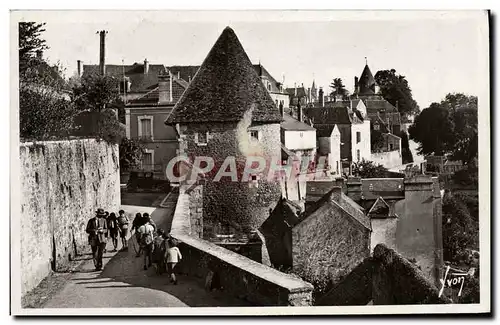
{"points": [[452, 279]]}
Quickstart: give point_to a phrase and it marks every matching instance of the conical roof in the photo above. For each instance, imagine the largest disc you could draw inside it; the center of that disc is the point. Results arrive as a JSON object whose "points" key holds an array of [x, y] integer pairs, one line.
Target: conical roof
{"points": [[366, 82], [225, 88]]}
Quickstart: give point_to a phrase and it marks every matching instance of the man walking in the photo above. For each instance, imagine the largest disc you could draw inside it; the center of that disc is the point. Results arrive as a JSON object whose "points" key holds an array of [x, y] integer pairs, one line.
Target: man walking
{"points": [[146, 233], [123, 226], [97, 229]]}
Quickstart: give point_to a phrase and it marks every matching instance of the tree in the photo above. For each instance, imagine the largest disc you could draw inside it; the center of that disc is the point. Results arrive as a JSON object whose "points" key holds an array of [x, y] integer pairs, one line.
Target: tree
{"points": [[130, 154], [30, 42], [368, 169], [338, 88], [448, 127], [97, 97], [433, 130], [395, 89], [45, 111], [460, 230]]}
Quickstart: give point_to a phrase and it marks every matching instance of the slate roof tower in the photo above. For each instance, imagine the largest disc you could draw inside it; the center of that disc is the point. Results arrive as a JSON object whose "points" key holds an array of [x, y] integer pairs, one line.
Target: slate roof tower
{"points": [[226, 112]]}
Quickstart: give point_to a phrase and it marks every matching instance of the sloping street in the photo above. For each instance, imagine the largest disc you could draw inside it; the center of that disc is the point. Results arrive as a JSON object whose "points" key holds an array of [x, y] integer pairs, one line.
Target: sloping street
{"points": [[124, 283]]}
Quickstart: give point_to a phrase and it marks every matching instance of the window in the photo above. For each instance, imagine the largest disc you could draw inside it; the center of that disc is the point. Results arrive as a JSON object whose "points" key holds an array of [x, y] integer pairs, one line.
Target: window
{"points": [[337, 169], [391, 146], [145, 127], [201, 138], [277, 104], [269, 86], [147, 160], [254, 135], [301, 134], [358, 154], [358, 137], [376, 127]]}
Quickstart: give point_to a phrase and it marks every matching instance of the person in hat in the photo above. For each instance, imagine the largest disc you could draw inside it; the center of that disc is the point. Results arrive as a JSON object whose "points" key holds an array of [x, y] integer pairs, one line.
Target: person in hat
{"points": [[97, 229]]}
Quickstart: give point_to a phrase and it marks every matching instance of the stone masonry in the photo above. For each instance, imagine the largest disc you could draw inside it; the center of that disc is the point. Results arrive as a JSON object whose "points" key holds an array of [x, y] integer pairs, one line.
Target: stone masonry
{"points": [[62, 183]]}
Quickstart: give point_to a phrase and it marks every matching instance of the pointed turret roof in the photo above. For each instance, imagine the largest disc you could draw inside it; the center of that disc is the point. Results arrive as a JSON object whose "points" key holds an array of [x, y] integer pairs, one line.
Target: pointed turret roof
{"points": [[225, 87], [366, 82]]}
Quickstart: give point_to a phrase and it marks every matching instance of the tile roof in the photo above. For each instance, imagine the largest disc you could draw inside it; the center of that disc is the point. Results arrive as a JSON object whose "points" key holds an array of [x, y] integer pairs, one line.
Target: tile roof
{"points": [[225, 88], [286, 153], [366, 82], [346, 203], [139, 81], [338, 114], [324, 130], [184, 71], [153, 97], [262, 72], [301, 92], [292, 124], [286, 212]]}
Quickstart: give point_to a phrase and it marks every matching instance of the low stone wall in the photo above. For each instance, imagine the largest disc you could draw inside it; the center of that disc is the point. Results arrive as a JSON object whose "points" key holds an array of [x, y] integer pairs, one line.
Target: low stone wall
{"points": [[235, 274], [62, 183], [388, 159]]}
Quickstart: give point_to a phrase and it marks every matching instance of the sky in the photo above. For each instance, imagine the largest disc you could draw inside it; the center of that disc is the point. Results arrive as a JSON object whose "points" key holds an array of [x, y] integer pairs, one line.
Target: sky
{"points": [[437, 52]]}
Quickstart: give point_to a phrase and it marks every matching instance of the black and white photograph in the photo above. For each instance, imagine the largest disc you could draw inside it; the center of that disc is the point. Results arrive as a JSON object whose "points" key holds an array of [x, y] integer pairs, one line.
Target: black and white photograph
{"points": [[222, 162]]}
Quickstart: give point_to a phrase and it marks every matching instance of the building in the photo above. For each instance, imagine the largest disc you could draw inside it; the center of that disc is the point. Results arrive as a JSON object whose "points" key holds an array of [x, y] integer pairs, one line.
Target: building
{"points": [[378, 109], [329, 141], [298, 137], [236, 118], [405, 215], [323, 243], [354, 127], [275, 88]]}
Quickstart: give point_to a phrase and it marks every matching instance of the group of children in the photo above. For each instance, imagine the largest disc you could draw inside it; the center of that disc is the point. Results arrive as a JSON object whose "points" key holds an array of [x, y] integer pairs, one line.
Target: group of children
{"points": [[158, 247]]}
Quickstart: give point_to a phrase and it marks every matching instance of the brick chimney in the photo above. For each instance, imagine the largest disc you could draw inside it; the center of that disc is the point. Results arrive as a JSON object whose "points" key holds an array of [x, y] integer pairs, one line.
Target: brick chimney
{"points": [[102, 52], [178, 74], [146, 66], [300, 113], [295, 86], [79, 68], [321, 97], [165, 88], [356, 85]]}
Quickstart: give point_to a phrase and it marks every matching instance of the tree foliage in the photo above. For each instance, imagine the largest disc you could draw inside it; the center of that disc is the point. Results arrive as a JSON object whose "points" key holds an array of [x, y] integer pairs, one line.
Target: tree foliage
{"points": [[460, 228], [30, 42], [368, 169], [396, 90], [407, 156], [131, 152], [377, 141], [95, 92], [448, 127], [338, 88]]}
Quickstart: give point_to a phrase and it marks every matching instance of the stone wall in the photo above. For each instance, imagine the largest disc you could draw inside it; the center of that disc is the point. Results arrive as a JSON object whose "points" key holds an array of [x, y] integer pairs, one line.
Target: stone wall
{"points": [[328, 244], [388, 159], [62, 184], [235, 274], [235, 203]]}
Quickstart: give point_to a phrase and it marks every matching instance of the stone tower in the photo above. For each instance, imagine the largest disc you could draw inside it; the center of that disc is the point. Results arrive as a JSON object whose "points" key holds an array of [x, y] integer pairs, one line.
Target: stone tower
{"points": [[227, 115]]}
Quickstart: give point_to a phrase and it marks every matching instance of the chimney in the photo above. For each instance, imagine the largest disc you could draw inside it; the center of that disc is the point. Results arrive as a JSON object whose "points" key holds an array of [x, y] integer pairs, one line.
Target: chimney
{"points": [[189, 79], [300, 113], [79, 67], [178, 74], [39, 55], [295, 86], [102, 54], [165, 88], [354, 189], [146, 66], [321, 97], [282, 109], [356, 85]]}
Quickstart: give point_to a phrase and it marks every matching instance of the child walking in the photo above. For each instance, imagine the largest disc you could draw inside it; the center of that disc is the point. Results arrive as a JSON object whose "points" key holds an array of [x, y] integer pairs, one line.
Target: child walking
{"points": [[173, 257]]}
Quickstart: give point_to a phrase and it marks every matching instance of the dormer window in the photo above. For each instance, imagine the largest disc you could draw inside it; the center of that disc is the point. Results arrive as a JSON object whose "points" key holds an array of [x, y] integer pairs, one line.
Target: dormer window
{"points": [[253, 135], [269, 86]]}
